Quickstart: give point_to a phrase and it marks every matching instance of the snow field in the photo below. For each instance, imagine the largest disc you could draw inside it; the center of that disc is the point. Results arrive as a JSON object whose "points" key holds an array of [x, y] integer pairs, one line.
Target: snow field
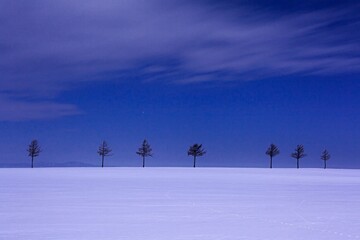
{"points": [[179, 204]]}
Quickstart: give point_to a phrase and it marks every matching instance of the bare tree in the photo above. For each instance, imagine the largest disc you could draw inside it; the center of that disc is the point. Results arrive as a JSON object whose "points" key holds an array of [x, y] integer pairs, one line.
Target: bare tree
{"points": [[104, 151], [298, 154], [144, 151], [195, 151], [33, 151], [325, 156], [272, 151]]}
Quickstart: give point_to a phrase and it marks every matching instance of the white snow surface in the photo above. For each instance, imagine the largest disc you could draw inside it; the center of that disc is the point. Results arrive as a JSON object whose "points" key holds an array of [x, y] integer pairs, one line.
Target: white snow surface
{"points": [[179, 203]]}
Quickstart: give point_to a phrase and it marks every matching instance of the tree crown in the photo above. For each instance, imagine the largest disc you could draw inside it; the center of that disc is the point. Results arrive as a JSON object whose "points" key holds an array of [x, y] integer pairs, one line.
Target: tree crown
{"points": [[104, 149], [145, 150], [196, 150], [34, 148], [273, 150], [299, 152], [325, 155]]}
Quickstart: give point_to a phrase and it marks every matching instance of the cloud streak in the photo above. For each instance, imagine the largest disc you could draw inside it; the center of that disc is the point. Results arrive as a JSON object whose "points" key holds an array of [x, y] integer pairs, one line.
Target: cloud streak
{"points": [[16, 110], [46, 46]]}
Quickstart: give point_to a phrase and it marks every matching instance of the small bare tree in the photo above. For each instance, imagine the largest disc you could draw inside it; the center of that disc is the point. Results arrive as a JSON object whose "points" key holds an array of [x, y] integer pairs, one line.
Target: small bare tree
{"points": [[325, 156], [144, 151], [298, 154], [195, 151], [272, 151], [104, 151], [33, 151]]}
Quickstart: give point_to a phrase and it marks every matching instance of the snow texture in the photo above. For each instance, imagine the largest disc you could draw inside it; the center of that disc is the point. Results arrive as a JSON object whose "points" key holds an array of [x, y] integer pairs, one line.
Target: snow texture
{"points": [[179, 203]]}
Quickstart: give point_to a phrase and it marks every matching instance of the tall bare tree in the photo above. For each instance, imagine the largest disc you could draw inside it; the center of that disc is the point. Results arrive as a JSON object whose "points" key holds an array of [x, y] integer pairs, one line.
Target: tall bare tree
{"points": [[196, 150], [298, 154], [325, 156], [144, 151], [33, 151], [104, 151], [272, 151]]}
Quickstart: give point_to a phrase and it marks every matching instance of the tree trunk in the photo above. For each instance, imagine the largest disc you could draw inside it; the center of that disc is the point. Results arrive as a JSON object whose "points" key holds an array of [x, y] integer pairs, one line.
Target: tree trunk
{"points": [[270, 161], [324, 164], [32, 161], [102, 161], [297, 163], [143, 161], [194, 161]]}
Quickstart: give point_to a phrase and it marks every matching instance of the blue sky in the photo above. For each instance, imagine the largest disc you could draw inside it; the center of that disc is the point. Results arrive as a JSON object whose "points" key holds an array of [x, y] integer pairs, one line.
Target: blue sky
{"points": [[232, 75]]}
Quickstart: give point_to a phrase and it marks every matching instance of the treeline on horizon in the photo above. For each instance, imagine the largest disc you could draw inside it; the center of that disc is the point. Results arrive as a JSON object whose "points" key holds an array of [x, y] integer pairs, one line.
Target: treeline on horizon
{"points": [[195, 150]]}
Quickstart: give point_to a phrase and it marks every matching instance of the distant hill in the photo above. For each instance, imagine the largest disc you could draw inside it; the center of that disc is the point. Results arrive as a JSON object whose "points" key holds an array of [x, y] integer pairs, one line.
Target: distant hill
{"points": [[41, 164]]}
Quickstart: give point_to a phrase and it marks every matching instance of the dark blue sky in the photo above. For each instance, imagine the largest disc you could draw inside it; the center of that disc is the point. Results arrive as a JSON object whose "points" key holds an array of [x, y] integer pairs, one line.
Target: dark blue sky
{"points": [[232, 75]]}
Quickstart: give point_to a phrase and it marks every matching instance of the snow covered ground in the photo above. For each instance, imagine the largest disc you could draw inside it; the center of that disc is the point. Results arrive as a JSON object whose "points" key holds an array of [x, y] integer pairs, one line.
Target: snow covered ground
{"points": [[179, 203]]}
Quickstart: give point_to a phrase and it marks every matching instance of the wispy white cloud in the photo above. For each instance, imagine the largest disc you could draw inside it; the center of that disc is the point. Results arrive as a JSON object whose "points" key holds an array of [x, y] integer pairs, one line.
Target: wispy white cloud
{"points": [[16, 110], [47, 45]]}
